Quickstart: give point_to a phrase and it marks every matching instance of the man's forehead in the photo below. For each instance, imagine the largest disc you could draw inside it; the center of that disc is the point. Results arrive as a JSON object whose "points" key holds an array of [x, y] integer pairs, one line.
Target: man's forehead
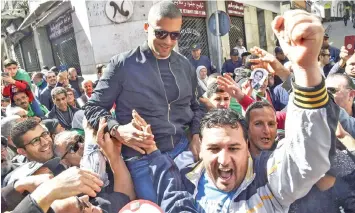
{"points": [[32, 133], [20, 95], [262, 113], [336, 82], [222, 135], [169, 24], [220, 95]]}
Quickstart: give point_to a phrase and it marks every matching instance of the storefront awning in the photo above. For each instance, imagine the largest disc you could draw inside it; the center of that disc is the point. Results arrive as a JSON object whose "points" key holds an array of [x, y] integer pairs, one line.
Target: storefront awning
{"points": [[38, 13]]}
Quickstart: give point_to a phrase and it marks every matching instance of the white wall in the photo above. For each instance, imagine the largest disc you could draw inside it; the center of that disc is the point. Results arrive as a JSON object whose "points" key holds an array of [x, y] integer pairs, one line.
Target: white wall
{"points": [[109, 38]]}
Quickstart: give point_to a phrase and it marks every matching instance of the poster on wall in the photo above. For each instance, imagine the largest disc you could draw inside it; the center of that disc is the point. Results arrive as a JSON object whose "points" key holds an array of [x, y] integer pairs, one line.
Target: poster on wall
{"points": [[235, 8], [191, 8]]}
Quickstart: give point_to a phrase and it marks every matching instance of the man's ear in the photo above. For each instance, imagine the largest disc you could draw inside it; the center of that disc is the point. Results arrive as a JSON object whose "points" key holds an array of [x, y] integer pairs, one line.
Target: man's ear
{"points": [[146, 26], [352, 94], [21, 151]]}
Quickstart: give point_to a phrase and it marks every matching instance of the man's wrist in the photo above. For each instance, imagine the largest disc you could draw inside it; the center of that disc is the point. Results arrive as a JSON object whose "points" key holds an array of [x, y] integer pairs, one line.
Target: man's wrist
{"points": [[44, 197], [114, 130], [307, 76]]}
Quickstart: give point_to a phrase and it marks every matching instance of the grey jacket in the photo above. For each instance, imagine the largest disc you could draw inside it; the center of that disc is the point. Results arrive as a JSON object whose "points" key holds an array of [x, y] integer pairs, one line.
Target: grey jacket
{"points": [[132, 81]]}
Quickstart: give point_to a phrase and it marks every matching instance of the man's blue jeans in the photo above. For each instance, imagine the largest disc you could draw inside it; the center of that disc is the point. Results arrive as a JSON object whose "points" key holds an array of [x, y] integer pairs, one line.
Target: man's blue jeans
{"points": [[141, 177]]}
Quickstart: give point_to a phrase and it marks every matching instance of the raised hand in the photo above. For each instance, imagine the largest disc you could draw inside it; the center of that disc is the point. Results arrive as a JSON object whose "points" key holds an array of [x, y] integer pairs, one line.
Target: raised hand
{"points": [[268, 62], [227, 84], [301, 36]]}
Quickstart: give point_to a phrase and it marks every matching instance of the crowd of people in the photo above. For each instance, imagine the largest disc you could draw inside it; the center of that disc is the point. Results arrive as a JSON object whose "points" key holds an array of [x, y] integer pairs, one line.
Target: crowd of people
{"points": [[159, 132]]}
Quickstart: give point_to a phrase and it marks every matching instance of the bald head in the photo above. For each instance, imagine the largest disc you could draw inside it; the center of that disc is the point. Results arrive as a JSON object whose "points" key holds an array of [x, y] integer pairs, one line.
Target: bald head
{"points": [[163, 9]]}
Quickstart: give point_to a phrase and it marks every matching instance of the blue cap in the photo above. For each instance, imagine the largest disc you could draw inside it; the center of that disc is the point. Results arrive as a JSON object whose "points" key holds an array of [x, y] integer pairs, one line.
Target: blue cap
{"points": [[196, 47], [234, 52]]}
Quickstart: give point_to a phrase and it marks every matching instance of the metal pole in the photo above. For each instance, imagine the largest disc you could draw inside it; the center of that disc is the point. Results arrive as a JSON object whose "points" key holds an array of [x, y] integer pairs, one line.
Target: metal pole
{"points": [[218, 43]]}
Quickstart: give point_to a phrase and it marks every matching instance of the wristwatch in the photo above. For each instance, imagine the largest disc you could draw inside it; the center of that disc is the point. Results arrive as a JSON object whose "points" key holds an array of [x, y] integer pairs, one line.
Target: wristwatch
{"points": [[114, 130]]}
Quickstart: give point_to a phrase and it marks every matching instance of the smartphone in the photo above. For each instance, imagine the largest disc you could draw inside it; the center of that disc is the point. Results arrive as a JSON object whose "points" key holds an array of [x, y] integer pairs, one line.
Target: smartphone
{"points": [[349, 43], [4, 74]]}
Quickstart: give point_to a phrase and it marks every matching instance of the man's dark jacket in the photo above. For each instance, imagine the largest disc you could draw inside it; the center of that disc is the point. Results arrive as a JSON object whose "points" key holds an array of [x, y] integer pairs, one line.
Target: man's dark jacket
{"points": [[132, 80]]}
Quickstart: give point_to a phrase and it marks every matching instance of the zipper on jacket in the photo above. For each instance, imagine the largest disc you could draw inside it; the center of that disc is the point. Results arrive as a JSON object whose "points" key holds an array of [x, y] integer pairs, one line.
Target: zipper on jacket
{"points": [[166, 98]]}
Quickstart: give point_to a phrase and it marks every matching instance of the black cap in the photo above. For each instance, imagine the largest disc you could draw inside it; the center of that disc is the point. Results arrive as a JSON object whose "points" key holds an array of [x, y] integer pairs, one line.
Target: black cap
{"points": [[326, 35]]}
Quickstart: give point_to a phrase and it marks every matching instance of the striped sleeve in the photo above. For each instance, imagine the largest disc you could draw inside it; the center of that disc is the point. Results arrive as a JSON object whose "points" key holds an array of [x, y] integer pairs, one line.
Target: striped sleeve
{"points": [[310, 97]]}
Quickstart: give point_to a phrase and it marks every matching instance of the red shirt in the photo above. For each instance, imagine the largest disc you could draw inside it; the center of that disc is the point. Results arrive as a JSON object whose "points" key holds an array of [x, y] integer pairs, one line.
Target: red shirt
{"points": [[19, 86]]}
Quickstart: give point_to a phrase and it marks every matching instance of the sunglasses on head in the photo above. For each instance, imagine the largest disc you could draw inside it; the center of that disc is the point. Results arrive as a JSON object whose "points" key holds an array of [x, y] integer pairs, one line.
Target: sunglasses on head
{"points": [[162, 34], [73, 148]]}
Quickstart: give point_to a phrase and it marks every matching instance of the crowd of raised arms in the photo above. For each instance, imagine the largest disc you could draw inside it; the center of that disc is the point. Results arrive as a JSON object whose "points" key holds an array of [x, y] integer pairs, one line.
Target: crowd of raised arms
{"points": [[270, 132]]}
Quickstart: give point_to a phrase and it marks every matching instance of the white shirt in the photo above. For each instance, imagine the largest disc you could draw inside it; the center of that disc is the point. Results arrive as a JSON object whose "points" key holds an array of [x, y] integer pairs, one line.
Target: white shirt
{"points": [[241, 50]]}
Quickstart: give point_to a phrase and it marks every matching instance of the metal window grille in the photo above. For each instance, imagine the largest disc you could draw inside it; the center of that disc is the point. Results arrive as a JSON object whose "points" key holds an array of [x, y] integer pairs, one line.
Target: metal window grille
{"points": [[18, 55], [236, 31], [65, 52], [30, 56], [262, 29], [193, 31]]}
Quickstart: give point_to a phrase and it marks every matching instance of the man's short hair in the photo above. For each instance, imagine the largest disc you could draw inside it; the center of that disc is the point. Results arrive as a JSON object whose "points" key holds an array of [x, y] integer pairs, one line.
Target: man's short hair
{"points": [[350, 83], [223, 117], [163, 9], [58, 90], [71, 69], [9, 62], [86, 81], [323, 51], [256, 105], [63, 136], [69, 89], [54, 69], [212, 89], [49, 72], [8, 123], [37, 75], [20, 129]]}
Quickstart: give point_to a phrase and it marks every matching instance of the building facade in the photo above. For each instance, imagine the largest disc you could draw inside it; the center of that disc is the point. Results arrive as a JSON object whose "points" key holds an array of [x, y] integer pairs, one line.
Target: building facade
{"points": [[83, 33]]}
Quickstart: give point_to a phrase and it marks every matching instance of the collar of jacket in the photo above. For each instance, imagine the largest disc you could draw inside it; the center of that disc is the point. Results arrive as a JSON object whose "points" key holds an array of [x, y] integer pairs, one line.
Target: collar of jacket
{"points": [[195, 174], [148, 53]]}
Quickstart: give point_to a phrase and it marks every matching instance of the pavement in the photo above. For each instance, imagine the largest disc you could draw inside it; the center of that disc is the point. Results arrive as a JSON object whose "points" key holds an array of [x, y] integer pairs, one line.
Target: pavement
{"points": [[338, 31]]}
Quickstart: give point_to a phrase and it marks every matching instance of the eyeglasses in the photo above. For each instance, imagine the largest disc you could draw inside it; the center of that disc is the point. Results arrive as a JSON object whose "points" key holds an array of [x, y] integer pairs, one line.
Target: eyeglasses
{"points": [[73, 148], [325, 54], [35, 141], [162, 34]]}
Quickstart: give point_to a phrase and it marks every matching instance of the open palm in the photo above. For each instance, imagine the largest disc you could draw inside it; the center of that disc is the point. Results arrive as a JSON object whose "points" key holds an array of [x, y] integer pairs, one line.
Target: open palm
{"points": [[227, 84]]}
